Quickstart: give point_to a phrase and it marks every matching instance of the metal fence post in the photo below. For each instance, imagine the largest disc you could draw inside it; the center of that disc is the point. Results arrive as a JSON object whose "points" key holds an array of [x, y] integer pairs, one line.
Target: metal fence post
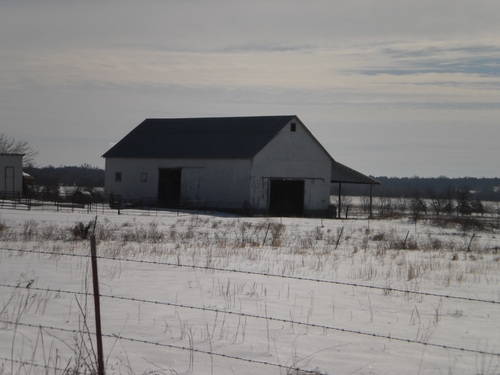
{"points": [[97, 306]]}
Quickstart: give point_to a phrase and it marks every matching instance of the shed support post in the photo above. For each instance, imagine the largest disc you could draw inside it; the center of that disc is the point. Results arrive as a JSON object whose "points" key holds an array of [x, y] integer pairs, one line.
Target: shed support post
{"points": [[340, 200], [371, 201]]}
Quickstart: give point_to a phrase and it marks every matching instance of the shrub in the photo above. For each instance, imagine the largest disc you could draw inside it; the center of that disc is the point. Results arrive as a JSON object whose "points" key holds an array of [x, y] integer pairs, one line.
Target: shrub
{"points": [[379, 237], [277, 231], [154, 234], [3, 229], [81, 231], [462, 222], [29, 229]]}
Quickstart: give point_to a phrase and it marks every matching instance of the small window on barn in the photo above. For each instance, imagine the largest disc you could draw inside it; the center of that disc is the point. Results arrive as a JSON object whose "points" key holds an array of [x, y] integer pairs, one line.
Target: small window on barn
{"points": [[293, 127], [144, 177], [118, 176]]}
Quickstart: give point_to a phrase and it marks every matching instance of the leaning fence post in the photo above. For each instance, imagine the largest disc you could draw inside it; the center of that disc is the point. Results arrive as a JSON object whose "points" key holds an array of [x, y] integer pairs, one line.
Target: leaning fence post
{"points": [[406, 239], [470, 242], [97, 305], [339, 237]]}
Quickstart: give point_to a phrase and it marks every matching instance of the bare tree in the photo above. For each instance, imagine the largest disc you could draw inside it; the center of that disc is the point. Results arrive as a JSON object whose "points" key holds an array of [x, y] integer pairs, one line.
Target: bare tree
{"points": [[9, 145], [365, 204], [464, 201], [449, 197], [418, 208], [385, 207], [438, 202], [401, 205], [346, 204], [478, 207]]}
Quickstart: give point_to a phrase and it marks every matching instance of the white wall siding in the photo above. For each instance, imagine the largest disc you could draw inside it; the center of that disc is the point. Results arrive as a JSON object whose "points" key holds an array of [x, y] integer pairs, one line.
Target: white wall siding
{"points": [[11, 167], [218, 183], [292, 155]]}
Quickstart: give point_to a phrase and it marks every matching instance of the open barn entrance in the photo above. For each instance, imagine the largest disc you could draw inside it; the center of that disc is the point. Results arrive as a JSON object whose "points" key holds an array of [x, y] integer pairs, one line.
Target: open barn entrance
{"points": [[286, 198], [10, 179], [169, 187]]}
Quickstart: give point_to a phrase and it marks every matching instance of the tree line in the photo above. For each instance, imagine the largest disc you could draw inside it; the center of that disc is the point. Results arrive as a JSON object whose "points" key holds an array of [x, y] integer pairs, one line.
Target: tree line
{"points": [[487, 189], [405, 187], [84, 176]]}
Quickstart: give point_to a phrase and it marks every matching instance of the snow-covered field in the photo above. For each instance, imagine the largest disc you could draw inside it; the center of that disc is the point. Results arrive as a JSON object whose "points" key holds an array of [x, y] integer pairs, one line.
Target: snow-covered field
{"points": [[434, 260]]}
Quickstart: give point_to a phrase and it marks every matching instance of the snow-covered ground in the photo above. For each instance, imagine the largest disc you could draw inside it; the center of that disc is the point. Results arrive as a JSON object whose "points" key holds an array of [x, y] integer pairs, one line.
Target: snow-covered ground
{"points": [[369, 252]]}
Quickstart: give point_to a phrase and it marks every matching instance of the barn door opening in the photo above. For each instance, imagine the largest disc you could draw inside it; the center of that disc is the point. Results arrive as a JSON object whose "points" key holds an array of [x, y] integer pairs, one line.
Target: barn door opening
{"points": [[10, 180], [286, 198], [169, 187]]}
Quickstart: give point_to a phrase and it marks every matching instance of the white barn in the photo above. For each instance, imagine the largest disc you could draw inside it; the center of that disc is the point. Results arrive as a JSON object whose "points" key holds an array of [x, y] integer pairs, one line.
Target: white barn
{"points": [[266, 164], [11, 173]]}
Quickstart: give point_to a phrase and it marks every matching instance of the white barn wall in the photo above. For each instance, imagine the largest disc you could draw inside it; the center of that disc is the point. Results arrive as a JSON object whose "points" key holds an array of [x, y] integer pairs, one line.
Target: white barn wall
{"points": [[217, 183], [16, 162], [293, 155]]}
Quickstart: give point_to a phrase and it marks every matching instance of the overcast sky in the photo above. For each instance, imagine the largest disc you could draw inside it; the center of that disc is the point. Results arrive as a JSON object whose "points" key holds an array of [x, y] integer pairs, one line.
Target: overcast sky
{"points": [[390, 87]]}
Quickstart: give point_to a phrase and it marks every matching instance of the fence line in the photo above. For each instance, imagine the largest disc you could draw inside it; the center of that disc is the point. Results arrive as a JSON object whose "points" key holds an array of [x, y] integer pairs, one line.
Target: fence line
{"points": [[492, 236], [141, 207], [255, 316], [103, 208], [264, 274], [159, 344]]}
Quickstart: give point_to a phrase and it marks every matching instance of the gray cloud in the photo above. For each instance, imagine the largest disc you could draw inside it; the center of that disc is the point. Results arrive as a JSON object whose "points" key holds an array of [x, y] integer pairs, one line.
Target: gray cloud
{"points": [[261, 47], [480, 85], [478, 60], [434, 51]]}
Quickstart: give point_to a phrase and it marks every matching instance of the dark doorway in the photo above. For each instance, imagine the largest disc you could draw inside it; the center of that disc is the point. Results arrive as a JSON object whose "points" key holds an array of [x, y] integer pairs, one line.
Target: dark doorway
{"points": [[286, 198], [10, 179], [169, 187]]}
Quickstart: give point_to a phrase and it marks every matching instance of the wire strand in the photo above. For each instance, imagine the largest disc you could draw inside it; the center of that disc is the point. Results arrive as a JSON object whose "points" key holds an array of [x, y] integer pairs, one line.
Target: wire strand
{"points": [[268, 318], [158, 344], [255, 273]]}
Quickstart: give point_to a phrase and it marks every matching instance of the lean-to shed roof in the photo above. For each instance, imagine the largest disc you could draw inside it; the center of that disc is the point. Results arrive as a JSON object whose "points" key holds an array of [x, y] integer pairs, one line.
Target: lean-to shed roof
{"points": [[342, 173]]}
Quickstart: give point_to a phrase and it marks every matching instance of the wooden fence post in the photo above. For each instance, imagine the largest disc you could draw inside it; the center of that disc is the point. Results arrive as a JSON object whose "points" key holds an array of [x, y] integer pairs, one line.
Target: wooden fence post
{"points": [[371, 202], [340, 202], [97, 305], [339, 237]]}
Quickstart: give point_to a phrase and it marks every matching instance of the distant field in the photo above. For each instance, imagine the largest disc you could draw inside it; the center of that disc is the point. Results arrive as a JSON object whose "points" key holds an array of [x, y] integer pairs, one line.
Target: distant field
{"points": [[269, 319]]}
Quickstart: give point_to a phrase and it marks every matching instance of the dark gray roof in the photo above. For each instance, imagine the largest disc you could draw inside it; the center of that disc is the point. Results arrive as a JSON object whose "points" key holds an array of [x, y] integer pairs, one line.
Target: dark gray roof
{"points": [[344, 174], [209, 137]]}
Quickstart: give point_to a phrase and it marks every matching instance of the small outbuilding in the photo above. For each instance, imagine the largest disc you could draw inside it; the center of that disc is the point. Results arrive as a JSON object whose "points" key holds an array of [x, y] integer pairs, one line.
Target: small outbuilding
{"points": [[263, 164], [11, 174]]}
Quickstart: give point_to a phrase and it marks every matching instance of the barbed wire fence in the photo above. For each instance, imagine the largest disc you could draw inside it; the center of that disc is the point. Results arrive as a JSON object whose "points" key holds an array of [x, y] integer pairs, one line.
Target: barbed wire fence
{"points": [[385, 289], [155, 343], [191, 348], [254, 316]]}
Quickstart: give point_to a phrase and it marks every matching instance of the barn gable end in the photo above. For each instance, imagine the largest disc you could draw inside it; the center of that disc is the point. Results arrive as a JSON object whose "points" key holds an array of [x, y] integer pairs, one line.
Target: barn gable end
{"points": [[294, 167]]}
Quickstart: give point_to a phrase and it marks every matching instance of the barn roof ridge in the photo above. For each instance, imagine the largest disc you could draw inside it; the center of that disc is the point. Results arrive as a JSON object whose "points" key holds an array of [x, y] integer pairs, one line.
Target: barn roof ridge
{"points": [[218, 117]]}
